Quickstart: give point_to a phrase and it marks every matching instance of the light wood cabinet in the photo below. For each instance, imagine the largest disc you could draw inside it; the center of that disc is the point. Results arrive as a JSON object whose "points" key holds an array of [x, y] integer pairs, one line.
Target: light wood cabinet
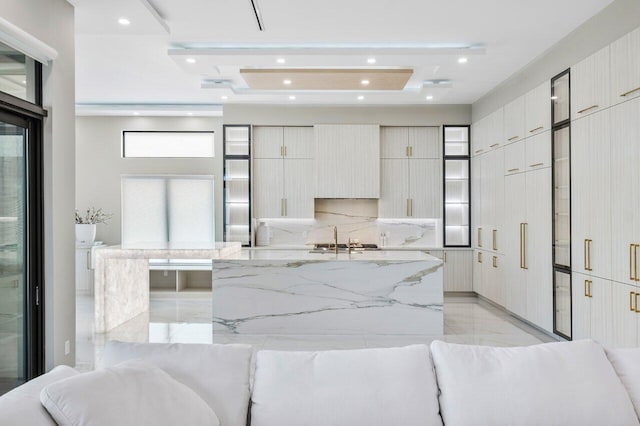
{"points": [[347, 158], [495, 129], [538, 151], [298, 188], [298, 142], [590, 84], [480, 136], [514, 158], [268, 188], [394, 141], [283, 188], [410, 142], [591, 195], [515, 216], [625, 68], [394, 190], [514, 120], [538, 109], [267, 141], [492, 194], [592, 309], [479, 257], [425, 188], [457, 266], [625, 315], [283, 142]]}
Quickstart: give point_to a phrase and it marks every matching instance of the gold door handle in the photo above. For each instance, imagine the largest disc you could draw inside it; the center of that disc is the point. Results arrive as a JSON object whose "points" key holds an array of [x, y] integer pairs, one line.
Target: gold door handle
{"points": [[635, 301], [281, 151], [513, 170], [631, 262], [536, 165], [410, 151], [631, 307], [590, 284], [536, 129], [586, 292], [524, 245], [478, 151], [521, 265], [587, 109], [495, 239], [406, 151], [513, 138], [89, 259], [587, 255], [479, 237], [411, 206], [494, 145], [630, 92], [479, 257], [285, 150], [635, 261], [495, 261]]}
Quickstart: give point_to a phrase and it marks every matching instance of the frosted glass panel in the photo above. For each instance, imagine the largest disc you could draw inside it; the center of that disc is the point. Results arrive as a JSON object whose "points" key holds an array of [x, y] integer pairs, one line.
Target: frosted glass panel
{"points": [[167, 144], [144, 210], [191, 210]]}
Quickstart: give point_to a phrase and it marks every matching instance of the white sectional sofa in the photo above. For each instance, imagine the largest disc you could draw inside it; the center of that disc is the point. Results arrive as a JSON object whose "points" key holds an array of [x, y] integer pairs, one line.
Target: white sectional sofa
{"points": [[574, 383]]}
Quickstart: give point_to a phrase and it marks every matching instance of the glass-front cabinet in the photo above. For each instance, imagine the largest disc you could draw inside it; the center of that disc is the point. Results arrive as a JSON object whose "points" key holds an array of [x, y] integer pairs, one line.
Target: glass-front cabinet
{"points": [[457, 162], [237, 183]]}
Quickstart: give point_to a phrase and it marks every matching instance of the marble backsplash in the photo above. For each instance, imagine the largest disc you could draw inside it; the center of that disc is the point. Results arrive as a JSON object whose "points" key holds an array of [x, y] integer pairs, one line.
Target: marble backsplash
{"points": [[355, 219]]}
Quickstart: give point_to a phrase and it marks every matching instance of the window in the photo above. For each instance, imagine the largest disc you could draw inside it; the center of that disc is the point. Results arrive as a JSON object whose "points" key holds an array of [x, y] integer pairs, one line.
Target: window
{"points": [[19, 75], [139, 144]]}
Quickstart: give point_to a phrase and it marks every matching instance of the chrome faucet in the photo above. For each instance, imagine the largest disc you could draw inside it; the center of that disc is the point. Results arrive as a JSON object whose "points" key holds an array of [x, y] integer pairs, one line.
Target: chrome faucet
{"points": [[335, 239]]}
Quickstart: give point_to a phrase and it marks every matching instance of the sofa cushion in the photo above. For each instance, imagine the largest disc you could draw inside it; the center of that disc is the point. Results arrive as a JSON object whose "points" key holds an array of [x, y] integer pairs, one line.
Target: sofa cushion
{"points": [[129, 394], [22, 406], [626, 362], [394, 386], [569, 383], [218, 373]]}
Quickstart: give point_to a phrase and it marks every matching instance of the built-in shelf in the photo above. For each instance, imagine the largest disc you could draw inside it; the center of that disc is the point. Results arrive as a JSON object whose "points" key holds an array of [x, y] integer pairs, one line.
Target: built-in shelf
{"points": [[456, 172], [237, 183]]}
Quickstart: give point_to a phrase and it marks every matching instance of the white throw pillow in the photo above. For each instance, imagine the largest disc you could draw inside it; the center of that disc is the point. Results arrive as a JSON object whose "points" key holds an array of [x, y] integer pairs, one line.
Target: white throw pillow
{"points": [[569, 383], [626, 362], [130, 394], [22, 406], [218, 373], [392, 386]]}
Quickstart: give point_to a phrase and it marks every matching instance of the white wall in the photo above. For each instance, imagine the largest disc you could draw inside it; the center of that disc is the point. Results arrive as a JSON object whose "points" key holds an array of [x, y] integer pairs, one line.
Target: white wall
{"points": [[99, 163], [616, 20], [52, 21]]}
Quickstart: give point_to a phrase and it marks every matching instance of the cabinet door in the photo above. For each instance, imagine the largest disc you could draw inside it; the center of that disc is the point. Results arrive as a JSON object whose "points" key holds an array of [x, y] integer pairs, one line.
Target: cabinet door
{"points": [[479, 136], [590, 84], [394, 142], [267, 142], [394, 193], [580, 198], [538, 109], [478, 271], [496, 220], [298, 188], [425, 188], [514, 216], [458, 270], [538, 248], [601, 313], [476, 198], [495, 129], [625, 67], [298, 142], [514, 120], [514, 158], [424, 142], [580, 307], [83, 269], [625, 181], [624, 300], [268, 188], [494, 279], [538, 151]]}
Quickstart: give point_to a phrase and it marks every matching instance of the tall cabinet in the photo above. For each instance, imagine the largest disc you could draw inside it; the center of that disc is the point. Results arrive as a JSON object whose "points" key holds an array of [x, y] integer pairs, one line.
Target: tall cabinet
{"points": [[237, 183]]}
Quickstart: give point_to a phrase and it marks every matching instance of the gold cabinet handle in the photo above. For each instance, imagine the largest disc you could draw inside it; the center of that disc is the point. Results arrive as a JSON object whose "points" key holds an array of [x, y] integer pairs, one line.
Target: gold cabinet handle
{"points": [[521, 265], [524, 245], [587, 255], [479, 237], [513, 138], [630, 92], [285, 150], [494, 145], [495, 239], [635, 301], [478, 151], [586, 292], [631, 262], [635, 262], [590, 284], [406, 151], [536, 129], [536, 165], [513, 170], [410, 151], [495, 261], [281, 151], [587, 109], [479, 257], [631, 300]]}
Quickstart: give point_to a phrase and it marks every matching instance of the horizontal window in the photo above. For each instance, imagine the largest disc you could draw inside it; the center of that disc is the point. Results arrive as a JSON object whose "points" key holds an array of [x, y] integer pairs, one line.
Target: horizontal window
{"points": [[136, 144]]}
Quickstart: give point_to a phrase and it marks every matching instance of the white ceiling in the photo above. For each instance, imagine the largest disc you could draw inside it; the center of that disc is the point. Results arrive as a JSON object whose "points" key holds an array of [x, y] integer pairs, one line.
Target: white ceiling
{"points": [[143, 63]]}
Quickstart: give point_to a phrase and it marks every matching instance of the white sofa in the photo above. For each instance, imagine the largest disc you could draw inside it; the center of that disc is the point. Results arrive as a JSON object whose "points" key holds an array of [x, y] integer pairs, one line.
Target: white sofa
{"points": [[574, 383]]}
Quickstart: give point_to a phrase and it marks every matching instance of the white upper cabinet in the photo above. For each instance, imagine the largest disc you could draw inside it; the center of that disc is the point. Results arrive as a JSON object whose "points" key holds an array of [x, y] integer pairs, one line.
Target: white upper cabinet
{"points": [[298, 189], [394, 193], [267, 141], [347, 160], [425, 188], [268, 188], [298, 142], [495, 129], [424, 142], [590, 84], [514, 158], [625, 67], [514, 122], [394, 142], [538, 109], [480, 136], [538, 151]]}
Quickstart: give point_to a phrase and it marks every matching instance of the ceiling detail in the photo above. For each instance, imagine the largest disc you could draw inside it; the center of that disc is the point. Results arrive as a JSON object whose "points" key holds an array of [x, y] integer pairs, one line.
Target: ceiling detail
{"points": [[326, 79]]}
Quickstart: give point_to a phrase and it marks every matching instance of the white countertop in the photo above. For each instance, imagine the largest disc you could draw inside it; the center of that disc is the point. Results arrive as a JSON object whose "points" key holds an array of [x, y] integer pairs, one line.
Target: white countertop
{"points": [[171, 250], [305, 255]]}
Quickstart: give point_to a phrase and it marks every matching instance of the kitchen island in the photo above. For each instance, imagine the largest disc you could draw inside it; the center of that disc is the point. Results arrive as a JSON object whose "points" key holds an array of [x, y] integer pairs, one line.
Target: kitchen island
{"points": [[283, 292]]}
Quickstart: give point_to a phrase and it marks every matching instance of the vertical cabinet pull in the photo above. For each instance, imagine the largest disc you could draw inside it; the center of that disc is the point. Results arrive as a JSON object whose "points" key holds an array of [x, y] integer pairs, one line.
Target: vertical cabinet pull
{"points": [[495, 239], [411, 206], [632, 308], [479, 237], [408, 208], [282, 207], [635, 301], [521, 262], [479, 257], [587, 255], [89, 259], [587, 288], [495, 261], [285, 150], [523, 245], [281, 151], [633, 262], [285, 207], [445, 257]]}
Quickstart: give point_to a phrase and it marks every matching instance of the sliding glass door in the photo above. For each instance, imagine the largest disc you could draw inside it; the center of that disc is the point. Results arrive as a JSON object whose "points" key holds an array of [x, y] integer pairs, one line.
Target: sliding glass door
{"points": [[20, 246]]}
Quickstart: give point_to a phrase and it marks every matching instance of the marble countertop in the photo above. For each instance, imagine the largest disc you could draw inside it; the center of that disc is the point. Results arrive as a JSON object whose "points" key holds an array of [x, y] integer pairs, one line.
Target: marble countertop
{"points": [[171, 250], [305, 255]]}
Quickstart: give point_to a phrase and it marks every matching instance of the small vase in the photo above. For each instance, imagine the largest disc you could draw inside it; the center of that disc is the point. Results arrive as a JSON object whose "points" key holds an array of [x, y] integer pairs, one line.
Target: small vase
{"points": [[85, 233]]}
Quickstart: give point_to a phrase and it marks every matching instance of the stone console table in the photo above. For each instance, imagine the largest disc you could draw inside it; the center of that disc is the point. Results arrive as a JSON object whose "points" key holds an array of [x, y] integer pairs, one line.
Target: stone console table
{"points": [[121, 277], [289, 292]]}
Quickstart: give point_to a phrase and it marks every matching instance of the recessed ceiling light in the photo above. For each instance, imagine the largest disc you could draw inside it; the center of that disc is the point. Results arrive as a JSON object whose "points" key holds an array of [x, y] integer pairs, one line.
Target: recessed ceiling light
{"points": [[293, 98], [371, 60], [124, 21], [224, 97], [360, 97], [287, 82], [462, 60], [365, 82], [191, 60], [136, 113], [429, 97], [281, 60]]}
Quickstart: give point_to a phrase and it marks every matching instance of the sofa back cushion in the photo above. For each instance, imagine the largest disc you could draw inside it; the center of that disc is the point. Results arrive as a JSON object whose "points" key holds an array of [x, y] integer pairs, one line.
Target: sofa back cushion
{"points": [[129, 394], [569, 383], [22, 406], [218, 373], [394, 386], [626, 362]]}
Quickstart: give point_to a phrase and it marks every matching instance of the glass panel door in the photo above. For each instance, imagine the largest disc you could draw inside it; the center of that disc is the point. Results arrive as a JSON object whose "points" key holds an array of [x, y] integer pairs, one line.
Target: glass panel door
{"points": [[457, 213], [13, 249]]}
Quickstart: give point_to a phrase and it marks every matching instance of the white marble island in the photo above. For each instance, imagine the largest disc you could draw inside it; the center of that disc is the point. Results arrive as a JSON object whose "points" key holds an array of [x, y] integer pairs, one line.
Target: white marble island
{"points": [[297, 292]]}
